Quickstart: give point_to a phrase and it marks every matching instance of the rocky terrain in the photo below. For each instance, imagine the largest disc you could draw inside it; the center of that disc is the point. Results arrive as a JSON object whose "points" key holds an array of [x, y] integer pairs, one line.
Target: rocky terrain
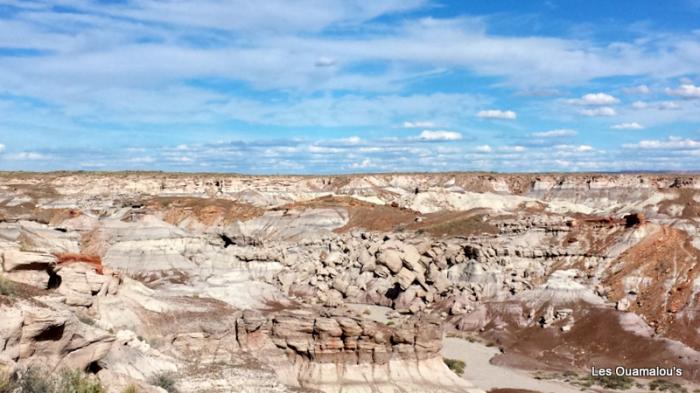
{"points": [[233, 283]]}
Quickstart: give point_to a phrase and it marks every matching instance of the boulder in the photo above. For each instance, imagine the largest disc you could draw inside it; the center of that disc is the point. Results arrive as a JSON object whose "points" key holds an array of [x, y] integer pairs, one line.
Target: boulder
{"points": [[391, 259], [405, 278]]}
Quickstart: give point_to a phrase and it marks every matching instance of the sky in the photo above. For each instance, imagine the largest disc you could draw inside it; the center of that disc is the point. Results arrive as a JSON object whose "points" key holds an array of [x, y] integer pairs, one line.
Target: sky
{"points": [[331, 86]]}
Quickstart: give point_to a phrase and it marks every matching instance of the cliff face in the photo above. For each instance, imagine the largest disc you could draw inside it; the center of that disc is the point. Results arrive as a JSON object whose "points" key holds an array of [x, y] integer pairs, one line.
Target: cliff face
{"points": [[180, 271]]}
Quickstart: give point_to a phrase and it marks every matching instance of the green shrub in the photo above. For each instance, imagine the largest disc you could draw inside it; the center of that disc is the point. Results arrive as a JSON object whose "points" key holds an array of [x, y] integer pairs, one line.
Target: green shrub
{"points": [[36, 381], [7, 287], [614, 382], [165, 381], [457, 366], [77, 382], [663, 385]]}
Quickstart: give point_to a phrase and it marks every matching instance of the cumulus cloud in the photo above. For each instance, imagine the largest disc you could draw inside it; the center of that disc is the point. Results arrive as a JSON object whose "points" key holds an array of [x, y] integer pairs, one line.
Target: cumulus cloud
{"points": [[594, 99], [604, 111], [671, 143], [484, 149], [659, 105], [685, 91], [347, 65], [575, 148], [640, 105], [497, 114], [2, 147], [558, 133], [366, 163], [439, 135], [516, 148], [668, 106], [628, 126], [418, 124], [641, 89], [352, 140]]}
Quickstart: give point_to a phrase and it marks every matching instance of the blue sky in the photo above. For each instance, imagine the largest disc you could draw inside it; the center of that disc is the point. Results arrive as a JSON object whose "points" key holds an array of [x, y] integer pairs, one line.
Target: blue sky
{"points": [[330, 86]]}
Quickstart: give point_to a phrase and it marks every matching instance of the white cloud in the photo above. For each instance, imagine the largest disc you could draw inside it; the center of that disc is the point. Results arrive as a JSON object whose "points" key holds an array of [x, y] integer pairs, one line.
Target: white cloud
{"points": [[352, 140], [2, 147], [640, 105], [659, 105], [141, 160], [26, 156], [575, 148], [324, 149], [324, 61], [349, 110], [516, 149], [484, 149], [439, 135], [668, 106], [641, 89], [604, 111], [497, 114], [595, 99], [418, 124], [366, 163], [685, 91], [628, 126], [558, 133], [671, 143]]}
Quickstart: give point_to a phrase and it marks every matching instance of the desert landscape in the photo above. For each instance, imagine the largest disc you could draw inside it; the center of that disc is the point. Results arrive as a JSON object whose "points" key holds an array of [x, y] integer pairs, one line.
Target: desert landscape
{"points": [[441, 282]]}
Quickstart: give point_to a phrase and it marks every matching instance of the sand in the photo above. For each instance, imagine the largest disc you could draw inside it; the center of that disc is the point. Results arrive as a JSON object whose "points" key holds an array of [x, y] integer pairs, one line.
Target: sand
{"points": [[487, 376]]}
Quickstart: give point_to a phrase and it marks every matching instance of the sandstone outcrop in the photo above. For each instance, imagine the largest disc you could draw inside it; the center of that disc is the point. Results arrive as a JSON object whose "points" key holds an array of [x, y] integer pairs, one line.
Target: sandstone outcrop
{"points": [[221, 278]]}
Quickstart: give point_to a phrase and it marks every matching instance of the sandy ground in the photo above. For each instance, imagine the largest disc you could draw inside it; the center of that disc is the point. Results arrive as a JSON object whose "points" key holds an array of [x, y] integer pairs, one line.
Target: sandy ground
{"points": [[486, 376], [376, 313]]}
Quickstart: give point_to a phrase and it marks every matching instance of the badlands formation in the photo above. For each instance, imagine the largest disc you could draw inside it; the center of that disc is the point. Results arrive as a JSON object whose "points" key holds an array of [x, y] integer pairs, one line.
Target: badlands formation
{"points": [[346, 283]]}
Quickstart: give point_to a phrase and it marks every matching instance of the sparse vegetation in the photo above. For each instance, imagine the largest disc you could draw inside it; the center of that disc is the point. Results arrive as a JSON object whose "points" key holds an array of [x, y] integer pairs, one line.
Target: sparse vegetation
{"points": [[35, 381], [165, 381], [662, 385], [7, 288], [457, 366], [5, 382], [77, 382], [130, 389], [614, 382]]}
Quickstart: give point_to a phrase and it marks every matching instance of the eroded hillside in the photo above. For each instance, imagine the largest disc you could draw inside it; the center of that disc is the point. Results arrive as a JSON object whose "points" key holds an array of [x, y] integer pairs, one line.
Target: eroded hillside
{"points": [[262, 284]]}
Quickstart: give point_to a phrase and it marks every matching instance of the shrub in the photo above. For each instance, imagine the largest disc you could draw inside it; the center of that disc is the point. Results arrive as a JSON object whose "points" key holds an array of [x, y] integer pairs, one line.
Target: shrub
{"points": [[33, 381], [165, 381], [77, 382], [6, 382], [609, 382], [457, 366], [36, 381], [130, 389], [663, 385], [7, 288]]}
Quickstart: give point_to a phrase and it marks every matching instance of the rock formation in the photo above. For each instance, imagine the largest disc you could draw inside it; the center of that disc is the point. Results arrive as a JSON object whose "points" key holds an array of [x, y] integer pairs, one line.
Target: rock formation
{"points": [[239, 283]]}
